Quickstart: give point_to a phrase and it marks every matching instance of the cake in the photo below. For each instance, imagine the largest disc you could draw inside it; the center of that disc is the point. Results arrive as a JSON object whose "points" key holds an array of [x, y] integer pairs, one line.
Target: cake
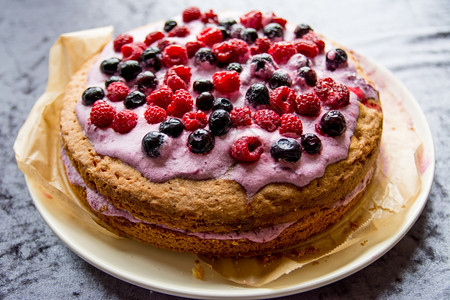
{"points": [[231, 136]]}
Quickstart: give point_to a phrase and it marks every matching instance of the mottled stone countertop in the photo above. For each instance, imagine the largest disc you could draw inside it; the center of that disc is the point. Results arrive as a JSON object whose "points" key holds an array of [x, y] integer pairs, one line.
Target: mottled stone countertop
{"points": [[411, 38]]}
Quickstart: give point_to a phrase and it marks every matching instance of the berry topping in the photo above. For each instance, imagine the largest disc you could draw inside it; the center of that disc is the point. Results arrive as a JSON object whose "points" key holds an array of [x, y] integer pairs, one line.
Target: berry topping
{"points": [[210, 36], [222, 103], [120, 40], [152, 142], [92, 94], [219, 122], [175, 82], [200, 141], [134, 99], [272, 18], [174, 55], [117, 91], [172, 127], [227, 23], [313, 37], [102, 114], [131, 51], [286, 149], [129, 70], [274, 32], [162, 44], [204, 57], [241, 116], [282, 100], [155, 114], [262, 45], [236, 30], [113, 79], [282, 51], [249, 35], [192, 47], [124, 121], [209, 17], [252, 19], [179, 31], [308, 104], [226, 82], [151, 58], [332, 123], [257, 94], [311, 143], [169, 25], [225, 32], [267, 119], [146, 80], [262, 66], [153, 37], [336, 58], [191, 13], [332, 94], [178, 77], [301, 30], [280, 78], [161, 97], [247, 149], [233, 50], [306, 48], [194, 120], [234, 67], [204, 101], [308, 75], [182, 102], [109, 66], [291, 126], [202, 85]]}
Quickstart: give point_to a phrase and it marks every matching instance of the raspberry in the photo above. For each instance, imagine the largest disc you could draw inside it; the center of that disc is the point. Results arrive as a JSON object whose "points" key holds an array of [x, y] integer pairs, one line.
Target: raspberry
{"points": [[192, 47], [291, 126], [194, 120], [272, 18], [226, 81], [191, 14], [182, 71], [306, 47], [179, 31], [313, 37], [121, 40], [331, 93], [241, 116], [182, 102], [282, 99], [125, 121], [233, 50], [252, 19], [267, 119], [178, 77], [210, 36], [210, 17], [162, 44], [155, 114], [174, 55], [247, 149], [153, 37], [131, 51], [323, 86], [161, 97], [282, 51], [308, 104], [175, 83], [102, 114], [262, 45], [117, 91]]}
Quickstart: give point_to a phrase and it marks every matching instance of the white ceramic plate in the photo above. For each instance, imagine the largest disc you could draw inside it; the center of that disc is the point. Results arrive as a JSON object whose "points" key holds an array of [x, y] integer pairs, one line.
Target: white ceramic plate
{"points": [[170, 273]]}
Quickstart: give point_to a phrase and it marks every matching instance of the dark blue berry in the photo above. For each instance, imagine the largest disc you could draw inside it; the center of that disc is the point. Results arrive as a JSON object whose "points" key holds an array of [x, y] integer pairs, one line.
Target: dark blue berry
{"points": [[112, 79], [109, 66], [286, 149], [234, 66], [274, 31], [92, 94], [257, 94], [301, 30], [169, 25], [202, 85], [249, 35], [219, 122], [152, 142], [222, 103], [336, 58], [332, 123], [308, 74], [134, 99], [236, 31], [280, 78], [200, 141], [172, 127], [225, 33], [204, 55], [130, 69], [152, 58], [204, 101], [227, 23], [146, 80], [261, 60], [311, 143]]}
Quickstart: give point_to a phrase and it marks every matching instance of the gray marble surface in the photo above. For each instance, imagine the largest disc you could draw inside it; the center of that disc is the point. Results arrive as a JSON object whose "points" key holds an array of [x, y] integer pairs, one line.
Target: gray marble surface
{"points": [[411, 38]]}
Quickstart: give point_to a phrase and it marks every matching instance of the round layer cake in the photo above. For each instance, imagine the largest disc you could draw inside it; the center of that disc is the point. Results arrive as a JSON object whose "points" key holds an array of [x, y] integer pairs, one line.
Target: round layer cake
{"points": [[230, 135]]}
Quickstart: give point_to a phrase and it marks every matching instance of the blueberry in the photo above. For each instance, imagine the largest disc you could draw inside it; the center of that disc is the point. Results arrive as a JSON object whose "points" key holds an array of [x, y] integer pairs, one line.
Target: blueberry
{"points": [[234, 66], [332, 123], [219, 122], [172, 127], [280, 78], [311, 143], [225, 33], [261, 60], [92, 94], [227, 23], [146, 80], [204, 55], [204, 101], [109, 66], [257, 94], [222, 103], [152, 142], [169, 25], [308, 74], [301, 30], [249, 35], [200, 141], [112, 79], [236, 30], [336, 58], [203, 85], [129, 70], [151, 58], [286, 149], [134, 99], [274, 31]]}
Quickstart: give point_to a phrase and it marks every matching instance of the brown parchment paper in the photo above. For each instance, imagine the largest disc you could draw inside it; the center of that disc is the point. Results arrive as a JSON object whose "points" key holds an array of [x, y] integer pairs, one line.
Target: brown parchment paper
{"points": [[396, 182]]}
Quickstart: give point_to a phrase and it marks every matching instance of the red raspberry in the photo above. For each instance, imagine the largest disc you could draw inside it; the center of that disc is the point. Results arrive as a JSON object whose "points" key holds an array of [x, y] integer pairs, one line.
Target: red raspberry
{"points": [[174, 55], [179, 31], [267, 119], [182, 71], [291, 126], [272, 18], [155, 114], [117, 91], [226, 82], [282, 51], [125, 121], [182, 102], [102, 114], [162, 44], [161, 97], [282, 99], [131, 51], [210, 17], [192, 47], [308, 104], [233, 50], [313, 37], [194, 120], [252, 19], [323, 86], [178, 77], [247, 149], [306, 47], [153, 37], [121, 40], [210, 36], [262, 45], [141, 44], [175, 83], [331, 93], [241, 116], [191, 14]]}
